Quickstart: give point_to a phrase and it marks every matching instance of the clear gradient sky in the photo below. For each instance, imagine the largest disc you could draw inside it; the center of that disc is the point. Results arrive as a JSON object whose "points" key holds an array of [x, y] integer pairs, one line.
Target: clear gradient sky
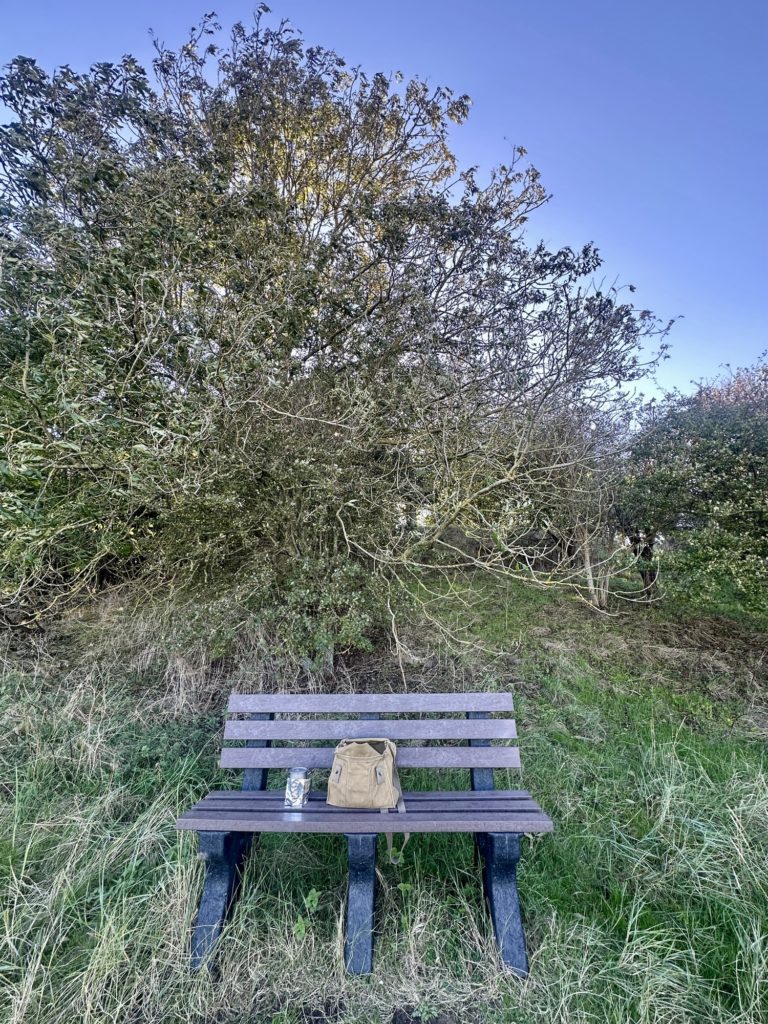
{"points": [[647, 120]]}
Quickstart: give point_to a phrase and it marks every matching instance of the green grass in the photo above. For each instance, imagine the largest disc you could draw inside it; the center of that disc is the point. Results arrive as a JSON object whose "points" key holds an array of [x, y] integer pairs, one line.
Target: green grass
{"points": [[641, 736]]}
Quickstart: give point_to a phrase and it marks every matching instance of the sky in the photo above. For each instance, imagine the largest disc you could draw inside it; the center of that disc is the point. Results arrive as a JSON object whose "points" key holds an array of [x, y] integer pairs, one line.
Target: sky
{"points": [[648, 122]]}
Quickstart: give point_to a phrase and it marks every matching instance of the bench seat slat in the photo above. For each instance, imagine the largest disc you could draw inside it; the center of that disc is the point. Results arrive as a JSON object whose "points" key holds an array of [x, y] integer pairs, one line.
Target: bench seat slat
{"points": [[372, 822], [214, 806], [321, 811], [463, 813], [259, 796], [407, 757], [396, 729], [358, 703]]}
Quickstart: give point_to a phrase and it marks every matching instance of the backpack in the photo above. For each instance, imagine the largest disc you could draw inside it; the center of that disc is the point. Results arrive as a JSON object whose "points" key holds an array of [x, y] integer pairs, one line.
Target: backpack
{"points": [[364, 774]]}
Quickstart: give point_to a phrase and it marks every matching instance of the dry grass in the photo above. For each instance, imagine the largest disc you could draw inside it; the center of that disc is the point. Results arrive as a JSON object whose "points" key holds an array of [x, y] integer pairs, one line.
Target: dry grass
{"points": [[648, 905]]}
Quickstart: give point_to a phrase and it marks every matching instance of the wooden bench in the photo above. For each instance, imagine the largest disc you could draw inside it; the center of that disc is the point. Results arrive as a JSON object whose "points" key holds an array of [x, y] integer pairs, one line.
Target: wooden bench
{"points": [[227, 820]]}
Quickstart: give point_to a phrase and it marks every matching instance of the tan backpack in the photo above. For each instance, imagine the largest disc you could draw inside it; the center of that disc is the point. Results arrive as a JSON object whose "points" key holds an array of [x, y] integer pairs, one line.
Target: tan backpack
{"points": [[364, 774]]}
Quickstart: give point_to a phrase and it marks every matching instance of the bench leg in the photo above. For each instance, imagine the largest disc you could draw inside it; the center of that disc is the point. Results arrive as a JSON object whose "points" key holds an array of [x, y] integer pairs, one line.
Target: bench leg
{"points": [[224, 854], [501, 852], [358, 943]]}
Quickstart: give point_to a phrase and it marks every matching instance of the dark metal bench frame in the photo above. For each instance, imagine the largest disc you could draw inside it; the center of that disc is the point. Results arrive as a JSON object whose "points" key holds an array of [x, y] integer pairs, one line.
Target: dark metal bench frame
{"points": [[224, 852]]}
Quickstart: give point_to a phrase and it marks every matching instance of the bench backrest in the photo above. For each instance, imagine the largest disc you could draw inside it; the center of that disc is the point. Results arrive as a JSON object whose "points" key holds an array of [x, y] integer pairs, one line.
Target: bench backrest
{"points": [[252, 720]]}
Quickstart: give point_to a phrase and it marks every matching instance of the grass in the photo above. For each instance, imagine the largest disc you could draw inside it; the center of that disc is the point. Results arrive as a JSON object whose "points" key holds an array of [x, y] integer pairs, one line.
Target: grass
{"points": [[642, 736]]}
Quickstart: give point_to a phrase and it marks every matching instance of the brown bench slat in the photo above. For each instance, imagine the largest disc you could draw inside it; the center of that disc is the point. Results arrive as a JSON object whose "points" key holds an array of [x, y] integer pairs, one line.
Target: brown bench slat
{"points": [[356, 703], [396, 729], [407, 757], [319, 809], [322, 815], [335, 820], [257, 796], [212, 805]]}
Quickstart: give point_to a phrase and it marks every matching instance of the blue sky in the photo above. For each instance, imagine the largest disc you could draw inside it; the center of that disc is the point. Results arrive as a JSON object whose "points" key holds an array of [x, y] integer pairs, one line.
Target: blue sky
{"points": [[647, 121]]}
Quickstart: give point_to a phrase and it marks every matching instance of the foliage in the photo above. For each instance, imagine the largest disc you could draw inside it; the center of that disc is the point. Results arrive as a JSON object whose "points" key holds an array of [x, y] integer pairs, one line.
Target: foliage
{"points": [[254, 324], [699, 476]]}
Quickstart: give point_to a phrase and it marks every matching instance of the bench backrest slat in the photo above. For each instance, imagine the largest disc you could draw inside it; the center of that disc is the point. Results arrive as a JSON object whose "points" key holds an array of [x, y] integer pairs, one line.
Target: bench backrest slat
{"points": [[354, 728], [407, 757], [358, 703]]}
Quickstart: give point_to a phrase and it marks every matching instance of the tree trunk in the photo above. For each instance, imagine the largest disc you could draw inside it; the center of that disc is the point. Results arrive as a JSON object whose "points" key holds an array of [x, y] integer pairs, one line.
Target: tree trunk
{"points": [[642, 546], [586, 555], [597, 587]]}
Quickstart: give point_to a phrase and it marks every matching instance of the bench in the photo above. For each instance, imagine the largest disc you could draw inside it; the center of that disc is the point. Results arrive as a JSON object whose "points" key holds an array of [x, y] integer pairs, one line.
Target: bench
{"points": [[227, 821]]}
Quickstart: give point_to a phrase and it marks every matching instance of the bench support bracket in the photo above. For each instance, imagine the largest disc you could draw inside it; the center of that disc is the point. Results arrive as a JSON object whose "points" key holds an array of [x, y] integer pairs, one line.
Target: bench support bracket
{"points": [[500, 852], [224, 854], [358, 942]]}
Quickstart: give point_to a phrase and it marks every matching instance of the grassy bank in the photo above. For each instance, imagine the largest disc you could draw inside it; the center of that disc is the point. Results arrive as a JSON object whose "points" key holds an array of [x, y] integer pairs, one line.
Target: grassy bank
{"points": [[642, 736]]}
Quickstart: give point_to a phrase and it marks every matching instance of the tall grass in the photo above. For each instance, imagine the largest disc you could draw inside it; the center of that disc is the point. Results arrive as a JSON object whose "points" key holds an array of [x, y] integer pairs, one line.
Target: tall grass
{"points": [[648, 904]]}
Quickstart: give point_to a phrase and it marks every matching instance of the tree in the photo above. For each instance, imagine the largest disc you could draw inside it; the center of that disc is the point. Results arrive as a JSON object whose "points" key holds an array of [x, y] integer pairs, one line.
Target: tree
{"points": [[699, 477], [253, 322]]}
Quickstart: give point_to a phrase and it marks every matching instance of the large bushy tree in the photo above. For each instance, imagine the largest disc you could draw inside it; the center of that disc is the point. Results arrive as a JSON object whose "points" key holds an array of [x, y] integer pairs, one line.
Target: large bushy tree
{"points": [[262, 342]]}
